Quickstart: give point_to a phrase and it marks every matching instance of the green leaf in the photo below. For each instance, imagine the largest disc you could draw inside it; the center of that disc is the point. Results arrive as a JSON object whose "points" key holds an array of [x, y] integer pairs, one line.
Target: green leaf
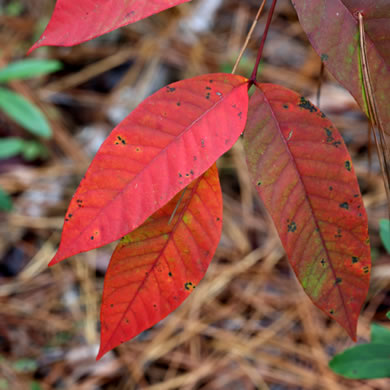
{"points": [[10, 147], [24, 113], [384, 232], [33, 150], [28, 68], [5, 201], [388, 315], [25, 365], [380, 335], [366, 361]]}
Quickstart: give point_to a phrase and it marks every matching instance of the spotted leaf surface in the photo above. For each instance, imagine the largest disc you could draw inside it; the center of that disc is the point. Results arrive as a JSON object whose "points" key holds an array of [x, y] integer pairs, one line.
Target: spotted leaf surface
{"points": [[77, 21], [333, 30], [304, 174], [162, 146], [156, 267]]}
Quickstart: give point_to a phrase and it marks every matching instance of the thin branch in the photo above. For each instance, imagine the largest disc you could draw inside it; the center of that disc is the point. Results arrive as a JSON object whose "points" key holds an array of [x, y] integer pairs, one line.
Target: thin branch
{"points": [[260, 52]]}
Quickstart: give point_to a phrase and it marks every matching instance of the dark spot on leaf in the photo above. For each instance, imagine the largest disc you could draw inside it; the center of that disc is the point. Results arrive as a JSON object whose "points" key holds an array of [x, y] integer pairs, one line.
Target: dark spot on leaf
{"points": [[356, 196], [329, 135], [355, 259], [180, 175], [218, 219], [285, 106], [292, 227], [126, 320], [178, 104], [258, 183], [324, 57], [195, 158], [211, 81], [331, 311], [338, 235], [208, 88], [336, 144], [338, 281], [188, 285], [330, 188], [192, 172], [207, 95], [366, 269], [240, 115], [170, 89], [154, 305], [348, 165], [323, 262], [92, 237], [187, 174], [306, 105], [202, 143], [112, 305], [70, 215], [344, 205], [170, 274]]}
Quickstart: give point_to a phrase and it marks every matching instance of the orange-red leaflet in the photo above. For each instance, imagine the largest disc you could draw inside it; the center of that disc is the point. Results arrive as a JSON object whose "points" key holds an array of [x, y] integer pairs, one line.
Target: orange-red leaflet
{"points": [[154, 269], [304, 174], [169, 140], [77, 21]]}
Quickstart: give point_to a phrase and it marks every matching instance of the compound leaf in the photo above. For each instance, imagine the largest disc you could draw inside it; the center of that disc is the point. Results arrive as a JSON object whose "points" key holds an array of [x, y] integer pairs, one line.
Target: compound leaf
{"points": [[333, 29], [154, 268], [304, 174], [77, 21], [162, 146]]}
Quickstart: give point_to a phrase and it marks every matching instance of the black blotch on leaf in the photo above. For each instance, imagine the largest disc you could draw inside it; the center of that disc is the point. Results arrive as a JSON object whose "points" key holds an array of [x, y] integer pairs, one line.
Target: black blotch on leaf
{"points": [[170, 89], [258, 183], [338, 281], [330, 188], [307, 105], [208, 88], [323, 262], [354, 259], [344, 205], [218, 219], [170, 274], [178, 104], [92, 237], [285, 106], [331, 311], [188, 285], [366, 269], [292, 227], [348, 165]]}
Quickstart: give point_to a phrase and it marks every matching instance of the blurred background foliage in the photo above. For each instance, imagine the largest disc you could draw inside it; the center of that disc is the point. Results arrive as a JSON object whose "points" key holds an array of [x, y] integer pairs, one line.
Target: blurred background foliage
{"points": [[249, 325]]}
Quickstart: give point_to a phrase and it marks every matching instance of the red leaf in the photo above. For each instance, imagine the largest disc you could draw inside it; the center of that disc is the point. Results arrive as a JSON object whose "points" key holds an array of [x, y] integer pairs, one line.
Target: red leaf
{"points": [[163, 145], [333, 30], [77, 21], [303, 173], [155, 268]]}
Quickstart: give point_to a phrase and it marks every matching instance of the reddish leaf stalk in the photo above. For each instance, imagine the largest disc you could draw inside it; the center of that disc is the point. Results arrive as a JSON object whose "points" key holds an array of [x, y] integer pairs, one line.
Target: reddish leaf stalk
{"points": [[253, 77]]}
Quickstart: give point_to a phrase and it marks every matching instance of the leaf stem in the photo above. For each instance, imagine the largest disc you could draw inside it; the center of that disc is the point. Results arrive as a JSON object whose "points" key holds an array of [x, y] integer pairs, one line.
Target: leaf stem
{"points": [[260, 52]]}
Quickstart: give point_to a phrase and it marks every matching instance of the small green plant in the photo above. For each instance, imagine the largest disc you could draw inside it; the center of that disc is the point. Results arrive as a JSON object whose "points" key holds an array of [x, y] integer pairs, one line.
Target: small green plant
{"points": [[19, 109], [366, 361], [16, 106]]}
